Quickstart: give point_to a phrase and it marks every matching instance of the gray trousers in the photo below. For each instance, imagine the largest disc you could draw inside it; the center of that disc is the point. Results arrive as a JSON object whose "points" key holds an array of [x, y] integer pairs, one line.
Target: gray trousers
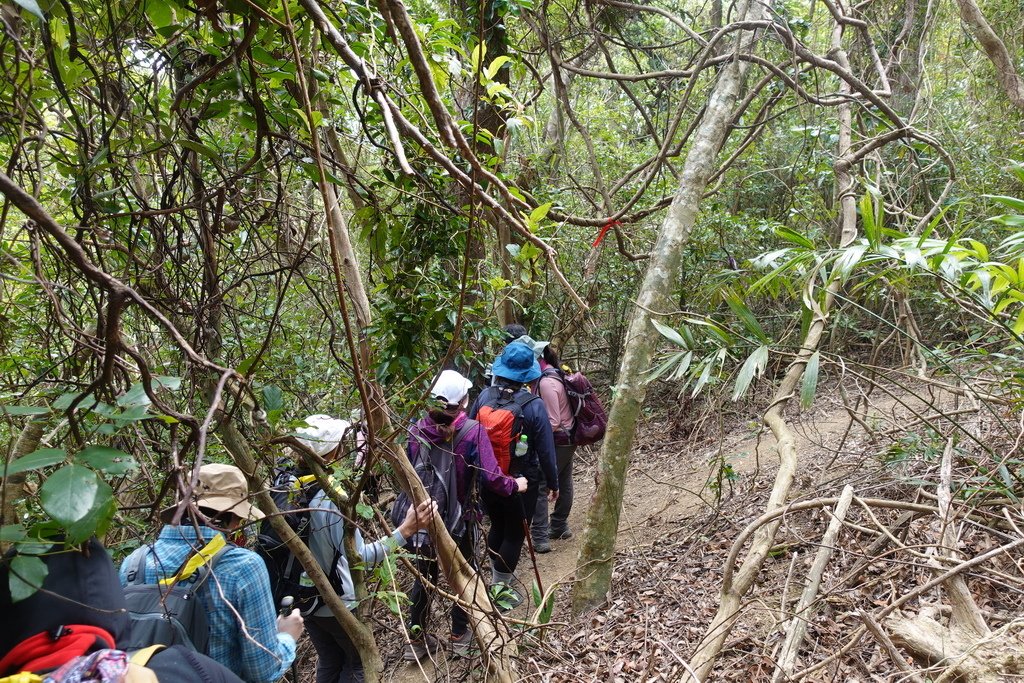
{"points": [[542, 528]]}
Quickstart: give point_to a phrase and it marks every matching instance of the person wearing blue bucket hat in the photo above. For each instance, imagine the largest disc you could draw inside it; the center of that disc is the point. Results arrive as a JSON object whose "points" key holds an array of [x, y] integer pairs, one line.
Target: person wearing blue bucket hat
{"points": [[524, 446]]}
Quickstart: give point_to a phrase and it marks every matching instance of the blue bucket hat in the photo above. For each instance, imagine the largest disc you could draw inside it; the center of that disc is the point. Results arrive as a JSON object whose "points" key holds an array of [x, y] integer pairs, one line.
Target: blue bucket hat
{"points": [[517, 363]]}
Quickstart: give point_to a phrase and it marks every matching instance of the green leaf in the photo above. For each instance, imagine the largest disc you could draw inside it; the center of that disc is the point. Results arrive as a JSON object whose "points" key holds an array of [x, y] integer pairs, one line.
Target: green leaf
{"points": [[684, 365], [669, 333], [754, 365], [12, 533], [273, 399], [364, 511], [97, 521], [36, 460], [31, 6], [24, 410], [1012, 202], [540, 213], [746, 317], [794, 237], [496, 65], [136, 395], [105, 459], [70, 494], [159, 12], [199, 148], [809, 385], [27, 575], [867, 216]]}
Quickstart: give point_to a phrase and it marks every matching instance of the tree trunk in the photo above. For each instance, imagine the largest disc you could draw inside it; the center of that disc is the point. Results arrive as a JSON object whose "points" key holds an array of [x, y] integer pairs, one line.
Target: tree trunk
{"points": [[735, 585], [1002, 60], [14, 485], [594, 565]]}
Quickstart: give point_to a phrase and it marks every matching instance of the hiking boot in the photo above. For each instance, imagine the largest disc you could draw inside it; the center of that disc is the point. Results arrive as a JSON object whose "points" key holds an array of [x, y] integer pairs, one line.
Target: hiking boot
{"points": [[563, 535], [417, 650], [542, 547], [505, 597], [461, 644]]}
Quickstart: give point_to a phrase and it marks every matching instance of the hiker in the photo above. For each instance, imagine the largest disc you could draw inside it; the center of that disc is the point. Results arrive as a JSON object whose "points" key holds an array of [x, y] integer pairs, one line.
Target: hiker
{"points": [[245, 633], [510, 332], [337, 658], [73, 627], [520, 434], [446, 426], [552, 391]]}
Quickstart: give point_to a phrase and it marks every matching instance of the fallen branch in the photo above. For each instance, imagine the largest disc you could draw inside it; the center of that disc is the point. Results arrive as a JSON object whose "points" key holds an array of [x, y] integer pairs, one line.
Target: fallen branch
{"points": [[803, 613]]}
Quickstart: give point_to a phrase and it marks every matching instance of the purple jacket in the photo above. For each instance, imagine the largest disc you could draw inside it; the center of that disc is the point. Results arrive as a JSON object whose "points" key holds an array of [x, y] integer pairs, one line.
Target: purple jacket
{"points": [[475, 451]]}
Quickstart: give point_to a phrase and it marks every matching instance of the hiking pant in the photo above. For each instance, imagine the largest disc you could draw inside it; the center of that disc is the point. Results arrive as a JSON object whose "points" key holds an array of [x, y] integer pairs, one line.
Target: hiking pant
{"points": [[337, 658], [420, 595], [559, 524], [509, 517]]}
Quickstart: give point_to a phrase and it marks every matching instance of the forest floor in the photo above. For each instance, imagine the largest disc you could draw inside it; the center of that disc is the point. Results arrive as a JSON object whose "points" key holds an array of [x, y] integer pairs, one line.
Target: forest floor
{"points": [[676, 530]]}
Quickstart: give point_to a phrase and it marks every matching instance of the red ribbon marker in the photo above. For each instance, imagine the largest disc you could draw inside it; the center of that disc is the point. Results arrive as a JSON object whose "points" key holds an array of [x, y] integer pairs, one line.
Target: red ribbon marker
{"points": [[604, 231]]}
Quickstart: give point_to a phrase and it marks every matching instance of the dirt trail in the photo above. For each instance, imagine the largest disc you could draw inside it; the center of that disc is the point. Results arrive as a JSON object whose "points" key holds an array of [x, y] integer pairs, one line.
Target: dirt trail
{"points": [[666, 485]]}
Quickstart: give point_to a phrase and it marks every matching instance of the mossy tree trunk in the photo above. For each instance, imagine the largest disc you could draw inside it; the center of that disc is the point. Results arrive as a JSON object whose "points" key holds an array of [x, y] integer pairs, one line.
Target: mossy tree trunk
{"points": [[594, 565]]}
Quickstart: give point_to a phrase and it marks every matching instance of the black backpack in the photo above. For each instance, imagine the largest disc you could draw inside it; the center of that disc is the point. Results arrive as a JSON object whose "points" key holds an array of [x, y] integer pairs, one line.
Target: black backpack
{"points": [[293, 490], [435, 466], [162, 615]]}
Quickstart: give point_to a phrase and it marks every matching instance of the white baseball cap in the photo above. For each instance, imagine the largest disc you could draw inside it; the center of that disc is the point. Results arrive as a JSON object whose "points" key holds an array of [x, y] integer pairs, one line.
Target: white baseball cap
{"points": [[450, 387]]}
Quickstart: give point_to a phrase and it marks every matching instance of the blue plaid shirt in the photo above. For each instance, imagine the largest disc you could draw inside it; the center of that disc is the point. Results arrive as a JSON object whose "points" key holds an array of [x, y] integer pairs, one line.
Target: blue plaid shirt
{"points": [[247, 643]]}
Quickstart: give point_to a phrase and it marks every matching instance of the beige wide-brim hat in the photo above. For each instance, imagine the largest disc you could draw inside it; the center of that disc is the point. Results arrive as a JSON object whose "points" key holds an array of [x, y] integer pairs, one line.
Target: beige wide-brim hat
{"points": [[222, 488]]}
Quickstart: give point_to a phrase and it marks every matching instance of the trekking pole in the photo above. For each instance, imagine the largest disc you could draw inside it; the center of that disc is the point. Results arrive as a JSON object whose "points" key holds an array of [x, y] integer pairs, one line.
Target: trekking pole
{"points": [[529, 544], [286, 609]]}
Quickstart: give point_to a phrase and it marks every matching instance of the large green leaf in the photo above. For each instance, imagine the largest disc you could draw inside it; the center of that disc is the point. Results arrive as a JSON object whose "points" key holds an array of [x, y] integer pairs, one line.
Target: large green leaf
{"points": [[70, 494], [106, 459], [136, 395], [27, 575], [746, 317], [98, 519], [668, 333], [36, 460], [20, 411], [32, 6], [809, 385], [754, 365]]}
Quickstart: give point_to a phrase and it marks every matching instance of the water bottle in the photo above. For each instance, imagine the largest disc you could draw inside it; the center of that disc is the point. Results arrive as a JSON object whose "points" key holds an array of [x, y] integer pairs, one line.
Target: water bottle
{"points": [[521, 447]]}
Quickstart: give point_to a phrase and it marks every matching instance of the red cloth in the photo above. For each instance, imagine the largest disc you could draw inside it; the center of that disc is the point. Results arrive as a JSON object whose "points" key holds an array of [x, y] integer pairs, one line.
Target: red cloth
{"points": [[42, 653], [604, 231]]}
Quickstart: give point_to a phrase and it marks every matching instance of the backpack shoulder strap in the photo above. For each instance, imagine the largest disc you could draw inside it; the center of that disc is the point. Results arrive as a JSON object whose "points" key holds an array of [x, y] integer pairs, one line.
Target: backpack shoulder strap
{"points": [[137, 569], [463, 431], [142, 657], [522, 397]]}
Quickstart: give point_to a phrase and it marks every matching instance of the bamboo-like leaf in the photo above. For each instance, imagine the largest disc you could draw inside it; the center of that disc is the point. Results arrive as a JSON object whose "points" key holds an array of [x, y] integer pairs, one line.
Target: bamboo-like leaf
{"points": [[668, 333], [683, 366], [1012, 202], [794, 237], [753, 366], [746, 317], [867, 217], [667, 365], [32, 6], [809, 386]]}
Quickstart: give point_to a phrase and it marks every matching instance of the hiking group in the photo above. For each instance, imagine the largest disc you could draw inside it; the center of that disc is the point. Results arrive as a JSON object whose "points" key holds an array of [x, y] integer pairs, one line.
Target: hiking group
{"points": [[193, 605]]}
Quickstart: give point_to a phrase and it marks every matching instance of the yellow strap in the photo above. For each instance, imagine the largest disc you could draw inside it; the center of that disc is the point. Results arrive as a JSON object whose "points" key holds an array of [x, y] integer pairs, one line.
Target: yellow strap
{"points": [[197, 560], [23, 677], [142, 657]]}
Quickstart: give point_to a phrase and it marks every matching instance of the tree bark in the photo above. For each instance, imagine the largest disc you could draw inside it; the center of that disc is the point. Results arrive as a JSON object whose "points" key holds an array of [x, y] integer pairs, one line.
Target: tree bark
{"points": [[594, 565], [14, 485], [1006, 72]]}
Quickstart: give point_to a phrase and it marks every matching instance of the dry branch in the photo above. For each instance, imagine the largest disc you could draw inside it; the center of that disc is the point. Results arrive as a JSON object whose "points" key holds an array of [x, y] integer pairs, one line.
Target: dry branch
{"points": [[804, 612]]}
